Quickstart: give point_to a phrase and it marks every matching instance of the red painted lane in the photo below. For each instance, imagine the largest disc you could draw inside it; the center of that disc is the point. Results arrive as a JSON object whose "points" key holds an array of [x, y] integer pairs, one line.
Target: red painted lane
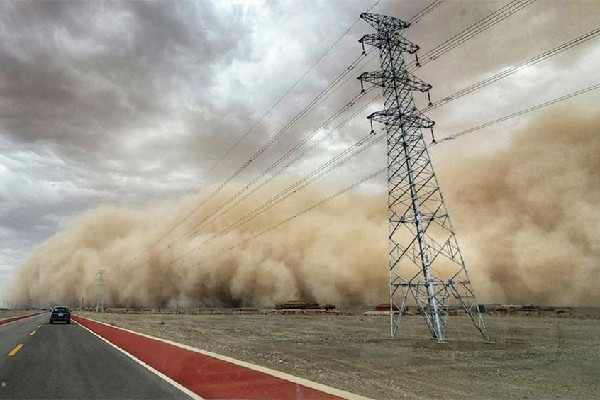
{"points": [[206, 376], [13, 319]]}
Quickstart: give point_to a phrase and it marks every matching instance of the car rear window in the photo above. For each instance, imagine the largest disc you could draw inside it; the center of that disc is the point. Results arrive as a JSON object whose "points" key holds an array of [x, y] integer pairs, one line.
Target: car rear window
{"points": [[61, 309]]}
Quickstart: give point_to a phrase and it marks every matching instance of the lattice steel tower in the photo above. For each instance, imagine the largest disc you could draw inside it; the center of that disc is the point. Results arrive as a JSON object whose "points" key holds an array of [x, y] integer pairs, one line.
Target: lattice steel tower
{"points": [[100, 281], [426, 265]]}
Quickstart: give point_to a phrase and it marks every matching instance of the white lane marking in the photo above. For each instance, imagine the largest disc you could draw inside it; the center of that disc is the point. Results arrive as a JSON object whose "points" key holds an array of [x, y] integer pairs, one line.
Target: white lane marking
{"points": [[160, 374], [277, 374]]}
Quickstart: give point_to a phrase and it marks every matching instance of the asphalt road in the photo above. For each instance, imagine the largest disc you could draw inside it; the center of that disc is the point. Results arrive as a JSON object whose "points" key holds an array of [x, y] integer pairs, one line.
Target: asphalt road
{"points": [[64, 361]]}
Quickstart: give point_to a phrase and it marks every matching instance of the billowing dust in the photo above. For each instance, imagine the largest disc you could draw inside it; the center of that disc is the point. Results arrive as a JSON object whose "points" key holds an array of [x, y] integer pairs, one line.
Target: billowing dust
{"points": [[527, 218]]}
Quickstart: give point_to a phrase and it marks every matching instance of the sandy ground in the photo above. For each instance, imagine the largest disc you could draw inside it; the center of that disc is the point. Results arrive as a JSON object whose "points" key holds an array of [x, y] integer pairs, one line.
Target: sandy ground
{"points": [[533, 357]]}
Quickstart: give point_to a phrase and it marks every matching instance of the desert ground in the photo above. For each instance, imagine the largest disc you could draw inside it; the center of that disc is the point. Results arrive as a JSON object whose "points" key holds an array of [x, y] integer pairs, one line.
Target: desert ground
{"points": [[534, 356]]}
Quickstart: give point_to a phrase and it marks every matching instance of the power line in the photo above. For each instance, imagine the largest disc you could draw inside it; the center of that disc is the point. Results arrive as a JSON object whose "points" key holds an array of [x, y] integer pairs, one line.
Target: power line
{"points": [[416, 18], [557, 50], [515, 68], [288, 91], [472, 31], [346, 155], [421, 14], [311, 105], [519, 113], [308, 209], [236, 199], [376, 173], [472, 88]]}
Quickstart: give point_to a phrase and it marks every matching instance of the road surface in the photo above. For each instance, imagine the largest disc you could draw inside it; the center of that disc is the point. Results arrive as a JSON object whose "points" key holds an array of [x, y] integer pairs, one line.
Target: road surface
{"points": [[64, 361]]}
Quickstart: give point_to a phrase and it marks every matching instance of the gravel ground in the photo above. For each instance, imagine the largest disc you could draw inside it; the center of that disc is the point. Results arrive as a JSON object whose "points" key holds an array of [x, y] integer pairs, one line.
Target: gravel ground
{"points": [[533, 357]]}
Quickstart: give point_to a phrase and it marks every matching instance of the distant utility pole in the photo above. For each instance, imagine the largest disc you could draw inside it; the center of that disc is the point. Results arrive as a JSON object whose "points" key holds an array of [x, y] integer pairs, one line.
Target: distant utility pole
{"points": [[100, 280], [425, 262]]}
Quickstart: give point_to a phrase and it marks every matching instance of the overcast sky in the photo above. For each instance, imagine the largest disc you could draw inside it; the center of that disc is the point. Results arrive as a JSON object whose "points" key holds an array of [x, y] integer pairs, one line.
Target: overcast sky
{"points": [[132, 102]]}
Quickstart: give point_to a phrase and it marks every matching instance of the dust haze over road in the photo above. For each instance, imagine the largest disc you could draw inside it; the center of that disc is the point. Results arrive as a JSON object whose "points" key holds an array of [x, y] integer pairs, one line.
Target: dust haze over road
{"points": [[526, 217]]}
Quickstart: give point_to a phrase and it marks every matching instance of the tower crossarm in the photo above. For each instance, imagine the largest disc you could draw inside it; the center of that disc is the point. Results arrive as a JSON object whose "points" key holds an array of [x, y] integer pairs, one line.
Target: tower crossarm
{"points": [[392, 116], [405, 78], [380, 40], [390, 23]]}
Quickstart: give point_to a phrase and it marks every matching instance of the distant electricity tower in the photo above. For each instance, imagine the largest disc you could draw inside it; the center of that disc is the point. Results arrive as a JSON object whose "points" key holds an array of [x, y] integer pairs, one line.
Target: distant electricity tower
{"points": [[426, 265], [100, 281]]}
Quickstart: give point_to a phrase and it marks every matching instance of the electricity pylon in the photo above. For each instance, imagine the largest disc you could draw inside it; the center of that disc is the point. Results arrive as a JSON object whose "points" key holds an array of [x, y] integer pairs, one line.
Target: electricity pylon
{"points": [[100, 290], [425, 262]]}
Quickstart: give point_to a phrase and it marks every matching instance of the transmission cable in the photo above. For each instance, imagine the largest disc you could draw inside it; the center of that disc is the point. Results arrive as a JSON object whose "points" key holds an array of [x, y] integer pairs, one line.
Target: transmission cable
{"points": [[318, 173], [373, 175], [313, 103], [236, 199], [308, 209], [519, 113], [515, 68], [419, 16], [288, 91], [416, 19], [472, 31], [361, 145], [346, 107], [205, 200], [265, 206], [555, 51]]}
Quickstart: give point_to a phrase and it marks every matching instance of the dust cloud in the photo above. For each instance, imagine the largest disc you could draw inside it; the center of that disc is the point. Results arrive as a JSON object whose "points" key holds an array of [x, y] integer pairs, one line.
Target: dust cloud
{"points": [[526, 216], [334, 254]]}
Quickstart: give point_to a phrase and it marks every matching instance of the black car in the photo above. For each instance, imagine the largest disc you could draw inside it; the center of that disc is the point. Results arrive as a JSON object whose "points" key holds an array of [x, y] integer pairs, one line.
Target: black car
{"points": [[60, 313]]}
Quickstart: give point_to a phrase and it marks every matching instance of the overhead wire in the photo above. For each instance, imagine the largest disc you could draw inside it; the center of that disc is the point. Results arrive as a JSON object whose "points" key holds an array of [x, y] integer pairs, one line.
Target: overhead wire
{"points": [[311, 105], [236, 199], [515, 68], [259, 121], [361, 145], [490, 20], [284, 95], [471, 31], [465, 91], [421, 14], [380, 171], [414, 20], [519, 113]]}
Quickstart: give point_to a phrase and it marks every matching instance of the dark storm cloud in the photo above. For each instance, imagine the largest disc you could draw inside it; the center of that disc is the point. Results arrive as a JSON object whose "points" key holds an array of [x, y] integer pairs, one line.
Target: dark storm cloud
{"points": [[84, 75], [90, 96]]}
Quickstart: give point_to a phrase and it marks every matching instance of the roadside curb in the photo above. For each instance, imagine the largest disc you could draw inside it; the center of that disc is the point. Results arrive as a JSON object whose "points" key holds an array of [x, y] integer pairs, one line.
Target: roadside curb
{"points": [[208, 361]]}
